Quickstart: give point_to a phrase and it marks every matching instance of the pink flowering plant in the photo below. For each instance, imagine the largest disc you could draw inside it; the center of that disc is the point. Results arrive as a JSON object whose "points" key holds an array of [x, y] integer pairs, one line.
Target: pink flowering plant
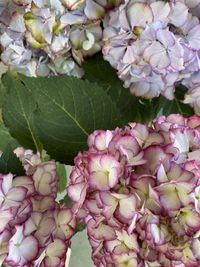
{"points": [[137, 191], [73, 73], [34, 229]]}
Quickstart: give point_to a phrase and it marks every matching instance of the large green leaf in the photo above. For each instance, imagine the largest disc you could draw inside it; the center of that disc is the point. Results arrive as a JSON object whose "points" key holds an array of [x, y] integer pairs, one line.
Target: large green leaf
{"points": [[18, 112], [132, 108], [162, 106], [69, 109], [6, 138], [2, 92], [9, 162]]}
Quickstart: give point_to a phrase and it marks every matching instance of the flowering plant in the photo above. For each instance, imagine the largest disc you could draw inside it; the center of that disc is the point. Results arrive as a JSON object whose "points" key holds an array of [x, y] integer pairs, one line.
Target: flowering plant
{"points": [[72, 74], [42, 38], [153, 45], [137, 190], [34, 229]]}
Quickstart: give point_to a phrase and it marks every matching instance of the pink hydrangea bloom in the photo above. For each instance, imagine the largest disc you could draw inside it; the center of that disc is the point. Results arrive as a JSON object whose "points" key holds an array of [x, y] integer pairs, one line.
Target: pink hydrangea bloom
{"points": [[35, 230], [145, 212]]}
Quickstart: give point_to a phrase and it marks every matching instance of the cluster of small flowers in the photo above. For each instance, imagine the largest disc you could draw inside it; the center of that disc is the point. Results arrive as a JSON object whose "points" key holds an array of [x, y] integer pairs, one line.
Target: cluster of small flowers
{"points": [[44, 37], [155, 45], [138, 191], [34, 229]]}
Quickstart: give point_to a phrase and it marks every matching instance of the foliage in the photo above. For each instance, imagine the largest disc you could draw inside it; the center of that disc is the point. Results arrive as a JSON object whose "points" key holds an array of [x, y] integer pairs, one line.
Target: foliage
{"points": [[57, 114], [52, 119], [132, 108]]}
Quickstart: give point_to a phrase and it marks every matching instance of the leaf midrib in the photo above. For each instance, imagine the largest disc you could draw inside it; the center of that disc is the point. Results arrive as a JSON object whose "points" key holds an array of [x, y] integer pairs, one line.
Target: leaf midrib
{"points": [[27, 121]]}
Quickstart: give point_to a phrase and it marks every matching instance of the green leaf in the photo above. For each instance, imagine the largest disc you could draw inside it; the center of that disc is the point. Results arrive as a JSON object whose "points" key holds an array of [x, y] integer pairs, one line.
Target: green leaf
{"points": [[10, 163], [18, 113], [163, 106], [66, 201], [132, 108], [80, 227], [62, 175], [81, 251], [63, 172], [6, 138], [2, 92], [69, 109]]}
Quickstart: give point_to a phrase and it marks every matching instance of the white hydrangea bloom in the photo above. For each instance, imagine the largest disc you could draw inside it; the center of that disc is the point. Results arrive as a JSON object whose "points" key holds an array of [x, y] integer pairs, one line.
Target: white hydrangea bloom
{"points": [[50, 37]]}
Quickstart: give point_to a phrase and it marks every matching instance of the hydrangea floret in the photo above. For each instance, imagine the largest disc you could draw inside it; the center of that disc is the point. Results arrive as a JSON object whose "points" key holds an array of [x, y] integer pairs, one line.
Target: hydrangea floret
{"points": [[154, 46], [42, 38], [137, 190], [35, 230]]}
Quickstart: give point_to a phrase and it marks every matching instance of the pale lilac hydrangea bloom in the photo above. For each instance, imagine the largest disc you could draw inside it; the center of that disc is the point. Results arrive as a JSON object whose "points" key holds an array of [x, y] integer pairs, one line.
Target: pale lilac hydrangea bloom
{"points": [[35, 230], [194, 6], [193, 94], [42, 38], [138, 192], [153, 45]]}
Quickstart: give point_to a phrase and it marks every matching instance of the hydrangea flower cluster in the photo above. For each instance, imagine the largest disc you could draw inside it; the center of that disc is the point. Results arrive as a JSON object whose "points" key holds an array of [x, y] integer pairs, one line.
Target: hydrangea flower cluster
{"points": [[44, 37], [154, 45], [138, 191], [193, 5], [34, 229]]}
